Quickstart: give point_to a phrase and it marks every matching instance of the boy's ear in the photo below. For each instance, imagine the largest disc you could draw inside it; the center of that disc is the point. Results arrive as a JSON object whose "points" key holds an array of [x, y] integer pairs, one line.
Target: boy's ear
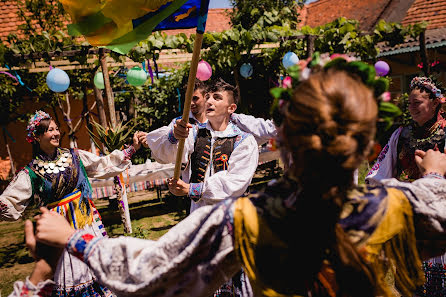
{"points": [[232, 108]]}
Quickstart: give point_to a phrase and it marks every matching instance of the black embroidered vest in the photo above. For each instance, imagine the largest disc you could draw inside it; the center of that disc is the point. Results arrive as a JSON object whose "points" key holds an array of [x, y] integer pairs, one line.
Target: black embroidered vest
{"points": [[201, 156]]}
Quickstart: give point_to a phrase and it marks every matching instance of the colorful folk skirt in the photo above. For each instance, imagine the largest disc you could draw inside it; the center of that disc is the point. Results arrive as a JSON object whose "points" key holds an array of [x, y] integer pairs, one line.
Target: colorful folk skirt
{"points": [[237, 286], [435, 273], [72, 276]]}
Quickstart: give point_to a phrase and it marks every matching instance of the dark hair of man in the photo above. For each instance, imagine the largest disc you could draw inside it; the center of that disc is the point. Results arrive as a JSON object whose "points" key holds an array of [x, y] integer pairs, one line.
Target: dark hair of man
{"points": [[220, 85]]}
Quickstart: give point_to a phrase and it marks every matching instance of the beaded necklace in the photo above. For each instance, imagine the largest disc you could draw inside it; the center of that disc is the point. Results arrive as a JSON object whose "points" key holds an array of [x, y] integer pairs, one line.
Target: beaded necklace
{"points": [[436, 134], [62, 161]]}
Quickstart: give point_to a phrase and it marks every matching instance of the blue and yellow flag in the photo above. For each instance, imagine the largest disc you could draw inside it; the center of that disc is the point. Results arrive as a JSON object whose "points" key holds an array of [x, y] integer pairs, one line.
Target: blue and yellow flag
{"points": [[119, 25]]}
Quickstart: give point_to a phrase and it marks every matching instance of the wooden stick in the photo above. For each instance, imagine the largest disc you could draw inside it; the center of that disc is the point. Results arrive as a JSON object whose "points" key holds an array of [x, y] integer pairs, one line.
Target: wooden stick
{"points": [[189, 92]]}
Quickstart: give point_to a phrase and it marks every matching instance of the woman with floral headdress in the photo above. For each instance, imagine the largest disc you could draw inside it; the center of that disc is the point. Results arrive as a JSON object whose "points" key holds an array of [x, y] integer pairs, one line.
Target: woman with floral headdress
{"points": [[57, 178], [310, 233], [426, 131], [397, 159]]}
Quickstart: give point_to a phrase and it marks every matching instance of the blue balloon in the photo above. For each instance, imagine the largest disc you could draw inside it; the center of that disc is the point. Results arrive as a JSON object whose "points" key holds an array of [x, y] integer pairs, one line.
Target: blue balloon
{"points": [[246, 70], [289, 60], [57, 80]]}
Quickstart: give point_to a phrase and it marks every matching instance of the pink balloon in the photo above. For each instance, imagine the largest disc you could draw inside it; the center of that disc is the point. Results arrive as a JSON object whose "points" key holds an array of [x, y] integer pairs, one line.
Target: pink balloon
{"points": [[204, 70]]}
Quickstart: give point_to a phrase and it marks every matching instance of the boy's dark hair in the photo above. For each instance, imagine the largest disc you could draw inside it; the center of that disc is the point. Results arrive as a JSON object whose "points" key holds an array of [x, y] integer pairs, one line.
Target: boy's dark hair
{"points": [[197, 85], [221, 85], [200, 85]]}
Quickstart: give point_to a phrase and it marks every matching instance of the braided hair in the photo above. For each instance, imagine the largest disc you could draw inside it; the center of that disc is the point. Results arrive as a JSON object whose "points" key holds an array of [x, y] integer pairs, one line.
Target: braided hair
{"points": [[328, 130]]}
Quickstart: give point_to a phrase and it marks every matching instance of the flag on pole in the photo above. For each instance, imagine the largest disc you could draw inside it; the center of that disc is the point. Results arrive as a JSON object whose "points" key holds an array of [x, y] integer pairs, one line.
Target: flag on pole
{"points": [[119, 25]]}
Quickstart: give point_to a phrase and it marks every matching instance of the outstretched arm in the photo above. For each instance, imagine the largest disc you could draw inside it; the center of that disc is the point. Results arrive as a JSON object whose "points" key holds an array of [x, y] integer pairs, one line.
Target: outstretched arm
{"points": [[427, 196], [16, 197], [193, 259], [163, 142], [262, 130]]}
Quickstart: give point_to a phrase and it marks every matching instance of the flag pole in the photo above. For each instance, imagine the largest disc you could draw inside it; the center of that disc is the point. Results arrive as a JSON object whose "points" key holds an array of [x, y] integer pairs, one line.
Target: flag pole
{"points": [[187, 101]]}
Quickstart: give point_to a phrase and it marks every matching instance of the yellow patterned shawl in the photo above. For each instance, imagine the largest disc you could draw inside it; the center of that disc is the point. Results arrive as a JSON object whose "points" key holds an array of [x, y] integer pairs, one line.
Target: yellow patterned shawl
{"points": [[379, 221]]}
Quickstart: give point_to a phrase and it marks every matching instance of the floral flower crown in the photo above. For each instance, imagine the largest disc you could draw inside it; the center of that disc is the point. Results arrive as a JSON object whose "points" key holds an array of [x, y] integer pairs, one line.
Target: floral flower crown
{"points": [[429, 84], [366, 72], [33, 123]]}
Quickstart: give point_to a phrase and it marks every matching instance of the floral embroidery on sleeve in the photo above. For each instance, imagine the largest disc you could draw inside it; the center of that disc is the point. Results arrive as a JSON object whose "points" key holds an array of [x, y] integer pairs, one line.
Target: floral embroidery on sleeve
{"points": [[128, 152], [3, 207], [171, 137], [195, 191], [78, 244]]}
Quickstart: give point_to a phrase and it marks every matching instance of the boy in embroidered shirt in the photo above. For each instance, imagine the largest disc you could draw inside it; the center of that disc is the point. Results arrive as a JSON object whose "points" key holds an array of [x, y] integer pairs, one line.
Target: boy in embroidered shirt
{"points": [[220, 158]]}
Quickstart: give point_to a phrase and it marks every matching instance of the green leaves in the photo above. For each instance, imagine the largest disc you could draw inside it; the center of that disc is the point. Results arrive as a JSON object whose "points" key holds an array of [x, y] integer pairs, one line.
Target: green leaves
{"points": [[387, 113], [111, 138]]}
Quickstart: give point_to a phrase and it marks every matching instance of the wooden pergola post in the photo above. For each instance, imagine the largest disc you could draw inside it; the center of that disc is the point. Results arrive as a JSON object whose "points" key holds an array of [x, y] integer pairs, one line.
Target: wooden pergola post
{"points": [[108, 89], [310, 45]]}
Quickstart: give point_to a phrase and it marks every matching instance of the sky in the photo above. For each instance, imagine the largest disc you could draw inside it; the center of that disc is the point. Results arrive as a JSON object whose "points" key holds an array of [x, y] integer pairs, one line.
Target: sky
{"points": [[227, 3]]}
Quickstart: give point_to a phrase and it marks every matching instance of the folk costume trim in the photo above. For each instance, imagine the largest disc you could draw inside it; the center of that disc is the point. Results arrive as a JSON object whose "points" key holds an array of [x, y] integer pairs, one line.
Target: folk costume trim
{"points": [[195, 190], [79, 244], [171, 137], [201, 155], [204, 153], [376, 219], [430, 136], [74, 211], [49, 185]]}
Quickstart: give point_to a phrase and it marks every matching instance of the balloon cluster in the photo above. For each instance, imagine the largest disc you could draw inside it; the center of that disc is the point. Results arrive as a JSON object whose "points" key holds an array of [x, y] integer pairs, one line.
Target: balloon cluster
{"points": [[135, 77], [59, 81]]}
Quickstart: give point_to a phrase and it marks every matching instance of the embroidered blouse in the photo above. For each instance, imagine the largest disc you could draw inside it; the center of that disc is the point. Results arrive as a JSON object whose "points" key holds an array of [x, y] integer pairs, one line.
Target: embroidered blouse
{"points": [[17, 196], [232, 182]]}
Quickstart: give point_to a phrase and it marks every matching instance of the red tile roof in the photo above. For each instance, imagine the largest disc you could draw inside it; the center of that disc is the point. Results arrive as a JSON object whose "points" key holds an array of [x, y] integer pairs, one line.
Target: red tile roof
{"points": [[432, 11], [324, 11], [9, 19], [434, 38]]}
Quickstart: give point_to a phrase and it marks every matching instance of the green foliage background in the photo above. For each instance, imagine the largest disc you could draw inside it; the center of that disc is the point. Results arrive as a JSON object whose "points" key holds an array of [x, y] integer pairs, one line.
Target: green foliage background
{"points": [[155, 105]]}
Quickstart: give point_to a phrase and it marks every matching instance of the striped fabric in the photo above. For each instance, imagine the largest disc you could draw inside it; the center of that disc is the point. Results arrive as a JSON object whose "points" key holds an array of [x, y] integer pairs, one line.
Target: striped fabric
{"points": [[107, 191], [76, 213], [120, 25]]}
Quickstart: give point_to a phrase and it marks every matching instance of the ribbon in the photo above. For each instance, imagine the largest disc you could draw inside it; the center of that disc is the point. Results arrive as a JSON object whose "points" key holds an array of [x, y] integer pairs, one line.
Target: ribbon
{"points": [[156, 67], [10, 75], [7, 133], [150, 71], [179, 100], [274, 82], [18, 78]]}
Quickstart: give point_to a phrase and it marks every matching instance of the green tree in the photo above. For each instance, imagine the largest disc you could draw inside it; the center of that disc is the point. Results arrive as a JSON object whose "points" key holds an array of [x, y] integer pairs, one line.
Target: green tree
{"points": [[248, 13]]}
